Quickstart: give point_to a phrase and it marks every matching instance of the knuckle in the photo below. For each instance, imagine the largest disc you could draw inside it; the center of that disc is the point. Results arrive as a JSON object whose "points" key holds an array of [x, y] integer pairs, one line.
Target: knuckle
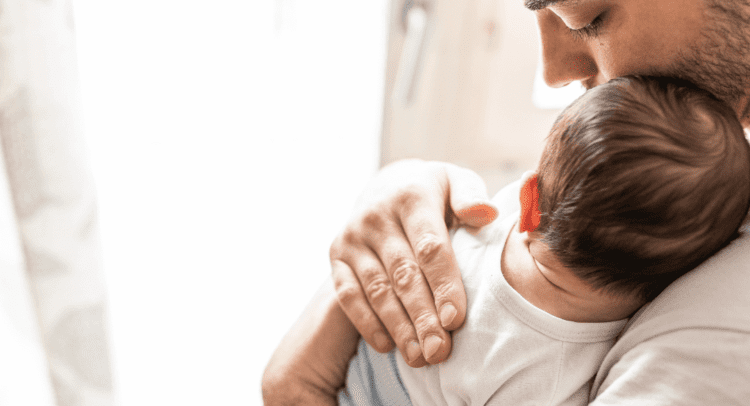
{"points": [[425, 323], [444, 288], [344, 243], [373, 220], [335, 251], [347, 294], [377, 290], [429, 249], [404, 333], [408, 196], [405, 275]]}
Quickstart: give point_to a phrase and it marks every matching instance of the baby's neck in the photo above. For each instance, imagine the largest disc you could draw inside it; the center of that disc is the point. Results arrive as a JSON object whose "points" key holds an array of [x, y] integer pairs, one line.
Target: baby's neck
{"points": [[523, 275]]}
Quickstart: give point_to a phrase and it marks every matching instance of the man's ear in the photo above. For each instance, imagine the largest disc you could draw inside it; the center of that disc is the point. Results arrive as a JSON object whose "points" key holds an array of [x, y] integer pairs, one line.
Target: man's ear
{"points": [[530, 214]]}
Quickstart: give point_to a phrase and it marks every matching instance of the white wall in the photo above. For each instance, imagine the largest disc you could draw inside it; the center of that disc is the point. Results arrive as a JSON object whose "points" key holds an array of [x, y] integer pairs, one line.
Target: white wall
{"points": [[229, 140]]}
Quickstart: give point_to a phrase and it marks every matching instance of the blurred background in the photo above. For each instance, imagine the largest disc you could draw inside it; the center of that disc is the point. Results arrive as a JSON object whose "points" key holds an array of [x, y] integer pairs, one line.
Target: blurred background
{"points": [[228, 142]]}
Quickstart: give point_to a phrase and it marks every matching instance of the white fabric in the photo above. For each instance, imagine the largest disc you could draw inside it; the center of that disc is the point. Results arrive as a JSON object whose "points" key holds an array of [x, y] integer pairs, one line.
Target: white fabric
{"points": [[691, 345], [53, 332], [508, 352], [22, 356]]}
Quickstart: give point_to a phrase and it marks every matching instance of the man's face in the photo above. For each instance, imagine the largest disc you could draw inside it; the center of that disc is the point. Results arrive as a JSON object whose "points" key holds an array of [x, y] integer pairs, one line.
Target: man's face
{"points": [[594, 41]]}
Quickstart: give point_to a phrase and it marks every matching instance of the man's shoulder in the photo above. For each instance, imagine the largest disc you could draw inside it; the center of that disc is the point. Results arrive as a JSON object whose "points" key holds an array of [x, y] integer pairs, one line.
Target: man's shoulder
{"points": [[712, 297]]}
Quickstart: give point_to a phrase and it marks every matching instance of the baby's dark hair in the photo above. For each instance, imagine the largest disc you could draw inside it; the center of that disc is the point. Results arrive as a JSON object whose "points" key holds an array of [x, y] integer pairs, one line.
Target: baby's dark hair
{"points": [[641, 180]]}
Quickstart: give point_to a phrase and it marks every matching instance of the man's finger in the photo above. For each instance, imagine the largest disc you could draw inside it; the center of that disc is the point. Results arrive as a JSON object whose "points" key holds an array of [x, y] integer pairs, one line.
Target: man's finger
{"points": [[423, 225], [375, 287], [354, 304], [416, 297], [468, 197]]}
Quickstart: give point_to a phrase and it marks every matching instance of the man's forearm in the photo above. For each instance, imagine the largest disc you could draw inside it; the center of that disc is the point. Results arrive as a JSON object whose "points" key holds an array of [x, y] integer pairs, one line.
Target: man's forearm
{"points": [[310, 364], [294, 392]]}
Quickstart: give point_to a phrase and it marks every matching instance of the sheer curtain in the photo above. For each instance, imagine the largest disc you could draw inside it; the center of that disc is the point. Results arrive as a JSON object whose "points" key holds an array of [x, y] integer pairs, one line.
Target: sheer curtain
{"points": [[53, 335]]}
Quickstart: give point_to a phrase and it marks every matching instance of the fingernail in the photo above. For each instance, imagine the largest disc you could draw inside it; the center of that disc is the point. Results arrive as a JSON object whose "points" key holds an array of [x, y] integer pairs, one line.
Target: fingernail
{"points": [[413, 351], [432, 345], [381, 341], [447, 314]]}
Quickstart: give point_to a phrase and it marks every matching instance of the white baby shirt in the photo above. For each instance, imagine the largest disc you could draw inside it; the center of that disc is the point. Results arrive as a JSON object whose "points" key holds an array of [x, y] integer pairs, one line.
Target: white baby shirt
{"points": [[508, 352]]}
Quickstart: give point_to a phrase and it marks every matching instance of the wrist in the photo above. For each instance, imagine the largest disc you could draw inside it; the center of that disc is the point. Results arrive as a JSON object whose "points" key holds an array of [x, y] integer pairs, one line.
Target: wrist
{"points": [[310, 364]]}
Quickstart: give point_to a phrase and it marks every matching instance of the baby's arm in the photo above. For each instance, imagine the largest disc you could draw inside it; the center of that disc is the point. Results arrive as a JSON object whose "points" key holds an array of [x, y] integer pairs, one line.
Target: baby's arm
{"points": [[309, 366]]}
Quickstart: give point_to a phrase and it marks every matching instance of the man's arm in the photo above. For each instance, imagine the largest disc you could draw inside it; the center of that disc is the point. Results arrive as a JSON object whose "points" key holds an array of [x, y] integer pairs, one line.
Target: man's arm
{"points": [[309, 366], [393, 267]]}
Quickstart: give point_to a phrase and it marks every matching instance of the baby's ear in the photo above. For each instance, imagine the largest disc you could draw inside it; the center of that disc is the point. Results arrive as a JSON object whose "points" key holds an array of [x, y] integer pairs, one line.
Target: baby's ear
{"points": [[530, 214]]}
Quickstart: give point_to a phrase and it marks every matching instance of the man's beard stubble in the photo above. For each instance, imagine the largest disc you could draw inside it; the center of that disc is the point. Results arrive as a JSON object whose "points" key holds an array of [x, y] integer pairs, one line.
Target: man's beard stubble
{"points": [[720, 61]]}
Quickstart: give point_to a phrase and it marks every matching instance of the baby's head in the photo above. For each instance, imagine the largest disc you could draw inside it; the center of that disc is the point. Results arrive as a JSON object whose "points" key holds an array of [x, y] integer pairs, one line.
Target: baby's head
{"points": [[641, 180]]}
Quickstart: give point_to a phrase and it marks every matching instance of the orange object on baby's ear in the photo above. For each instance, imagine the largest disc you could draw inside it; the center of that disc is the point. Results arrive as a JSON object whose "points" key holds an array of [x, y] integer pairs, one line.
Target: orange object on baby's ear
{"points": [[530, 214]]}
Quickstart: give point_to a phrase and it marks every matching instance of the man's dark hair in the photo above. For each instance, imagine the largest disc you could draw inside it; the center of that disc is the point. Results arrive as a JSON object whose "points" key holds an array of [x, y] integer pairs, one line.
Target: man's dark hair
{"points": [[641, 180]]}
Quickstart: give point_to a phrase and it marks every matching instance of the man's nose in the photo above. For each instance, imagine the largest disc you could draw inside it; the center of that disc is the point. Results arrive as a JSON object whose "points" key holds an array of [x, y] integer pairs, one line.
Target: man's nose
{"points": [[564, 58]]}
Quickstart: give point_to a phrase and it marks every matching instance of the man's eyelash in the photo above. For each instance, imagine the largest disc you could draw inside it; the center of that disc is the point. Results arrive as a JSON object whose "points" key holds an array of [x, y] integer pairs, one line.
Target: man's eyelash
{"points": [[589, 31]]}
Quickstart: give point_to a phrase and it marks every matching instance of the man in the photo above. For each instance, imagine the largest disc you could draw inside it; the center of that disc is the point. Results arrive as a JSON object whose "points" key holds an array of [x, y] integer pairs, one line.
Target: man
{"points": [[395, 274]]}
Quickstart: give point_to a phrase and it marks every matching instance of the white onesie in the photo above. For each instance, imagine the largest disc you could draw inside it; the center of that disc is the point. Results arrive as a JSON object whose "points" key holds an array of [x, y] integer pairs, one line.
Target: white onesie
{"points": [[508, 352]]}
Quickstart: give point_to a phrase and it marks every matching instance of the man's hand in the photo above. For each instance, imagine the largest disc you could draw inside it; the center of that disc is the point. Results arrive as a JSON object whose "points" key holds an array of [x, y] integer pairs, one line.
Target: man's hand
{"points": [[393, 266]]}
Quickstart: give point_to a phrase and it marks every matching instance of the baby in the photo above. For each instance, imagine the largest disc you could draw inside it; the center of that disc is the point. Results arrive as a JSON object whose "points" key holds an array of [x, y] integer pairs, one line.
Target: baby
{"points": [[641, 180]]}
